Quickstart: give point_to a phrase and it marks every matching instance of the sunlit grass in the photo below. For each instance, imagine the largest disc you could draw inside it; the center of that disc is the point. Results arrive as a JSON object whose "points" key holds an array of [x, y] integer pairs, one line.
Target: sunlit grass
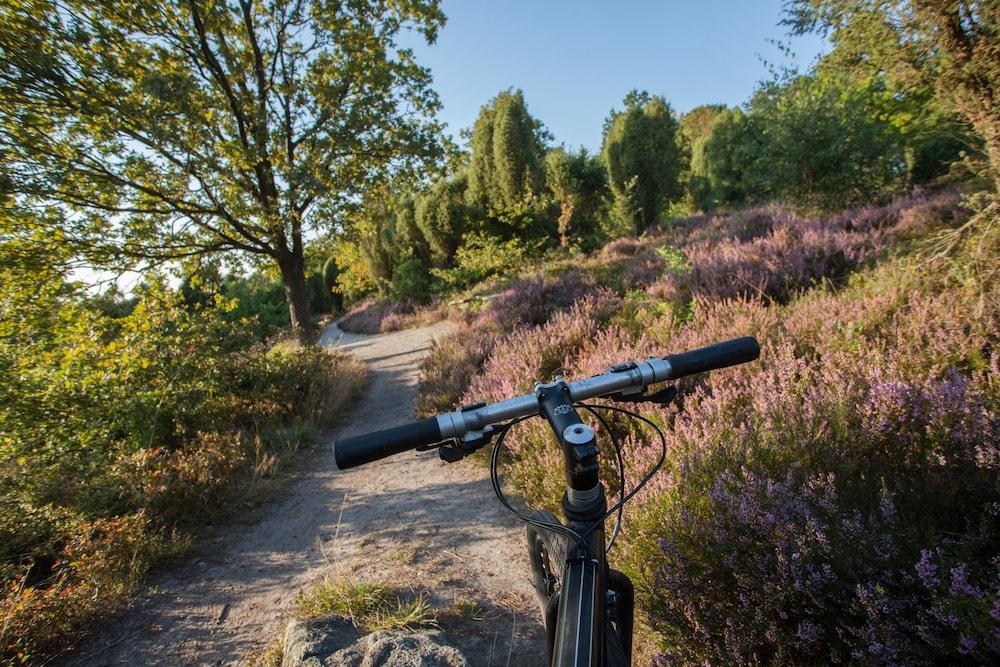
{"points": [[367, 605]]}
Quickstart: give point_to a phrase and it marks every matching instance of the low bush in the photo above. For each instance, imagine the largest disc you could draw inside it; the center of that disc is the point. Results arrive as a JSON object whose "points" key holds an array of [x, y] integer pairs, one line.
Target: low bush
{"points": [[804, 489], [479, 257], [118, 435], [373, 316], [779, 254], [455, 359]]}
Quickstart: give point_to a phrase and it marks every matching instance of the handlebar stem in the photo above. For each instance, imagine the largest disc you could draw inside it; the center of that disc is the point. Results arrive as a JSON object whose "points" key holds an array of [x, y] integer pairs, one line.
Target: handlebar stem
{"points": [[577, 440]]}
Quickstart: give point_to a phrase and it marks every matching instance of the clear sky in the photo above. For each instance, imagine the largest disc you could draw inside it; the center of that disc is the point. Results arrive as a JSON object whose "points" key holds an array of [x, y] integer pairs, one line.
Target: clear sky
{"points": [[576, 60]]}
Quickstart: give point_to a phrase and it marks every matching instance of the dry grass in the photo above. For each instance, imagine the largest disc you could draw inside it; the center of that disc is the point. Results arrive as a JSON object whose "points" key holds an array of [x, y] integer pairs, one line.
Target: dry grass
{"points": [[338, 380], [369, 606], [270, 656]]}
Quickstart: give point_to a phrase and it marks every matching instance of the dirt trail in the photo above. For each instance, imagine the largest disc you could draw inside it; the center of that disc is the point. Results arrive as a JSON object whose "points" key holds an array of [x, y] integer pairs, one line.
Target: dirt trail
{"points": [[412, 520]]}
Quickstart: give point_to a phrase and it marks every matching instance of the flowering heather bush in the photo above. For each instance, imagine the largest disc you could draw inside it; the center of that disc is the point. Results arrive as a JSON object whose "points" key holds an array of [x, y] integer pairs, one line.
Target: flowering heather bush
{"points": [[810, 581], [794, 255], [373, 316], [533, 300], [914, 213], [454, 360], [804, 489], [450, 366], [623, 248], [366, 316], [758, 252], [774, 254], [743, 225], [837, 501]]}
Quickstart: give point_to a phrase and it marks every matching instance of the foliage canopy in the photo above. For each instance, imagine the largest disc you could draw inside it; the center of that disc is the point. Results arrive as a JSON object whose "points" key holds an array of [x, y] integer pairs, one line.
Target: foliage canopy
{"points": [[166, 129], [952, 48]]}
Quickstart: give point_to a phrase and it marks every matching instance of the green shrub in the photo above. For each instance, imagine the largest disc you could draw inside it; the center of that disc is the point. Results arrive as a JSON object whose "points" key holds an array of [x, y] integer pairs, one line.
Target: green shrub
{"points": [[410, 280], [644, 161], [118, 432], [480, 257], [259, 300]]}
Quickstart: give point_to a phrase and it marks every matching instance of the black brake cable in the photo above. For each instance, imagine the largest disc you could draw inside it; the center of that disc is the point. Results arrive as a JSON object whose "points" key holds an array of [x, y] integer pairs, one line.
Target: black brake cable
{"points": [[579, 540], [495, 479], [646, 478]]}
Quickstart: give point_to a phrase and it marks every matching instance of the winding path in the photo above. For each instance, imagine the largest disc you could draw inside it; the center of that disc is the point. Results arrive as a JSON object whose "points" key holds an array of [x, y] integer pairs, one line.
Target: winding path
{"points": [[410, 520]]}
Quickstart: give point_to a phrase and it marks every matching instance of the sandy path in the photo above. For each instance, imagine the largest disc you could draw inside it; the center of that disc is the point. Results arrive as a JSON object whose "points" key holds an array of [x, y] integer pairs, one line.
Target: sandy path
{"points": [[412, 519]]}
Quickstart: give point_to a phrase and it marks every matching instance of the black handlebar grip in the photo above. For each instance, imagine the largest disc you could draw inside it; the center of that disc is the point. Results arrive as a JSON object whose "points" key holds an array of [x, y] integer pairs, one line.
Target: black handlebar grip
{"points": [[370, 447], [720, 355]]}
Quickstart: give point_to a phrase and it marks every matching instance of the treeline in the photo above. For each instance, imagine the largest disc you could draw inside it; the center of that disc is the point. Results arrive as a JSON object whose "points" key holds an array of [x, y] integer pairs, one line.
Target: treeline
{"points": [[821, 141]]}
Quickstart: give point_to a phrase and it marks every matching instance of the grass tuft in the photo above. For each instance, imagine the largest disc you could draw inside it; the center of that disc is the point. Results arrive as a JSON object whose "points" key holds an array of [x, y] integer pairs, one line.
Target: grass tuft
{"points": [[369, 606]]}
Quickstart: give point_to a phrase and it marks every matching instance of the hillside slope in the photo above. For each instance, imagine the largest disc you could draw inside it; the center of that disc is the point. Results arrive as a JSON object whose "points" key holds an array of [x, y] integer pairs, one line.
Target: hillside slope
{"points": [[833, 501]]}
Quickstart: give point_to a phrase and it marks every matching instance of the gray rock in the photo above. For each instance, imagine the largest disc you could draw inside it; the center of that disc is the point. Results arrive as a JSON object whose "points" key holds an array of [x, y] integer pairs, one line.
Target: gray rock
{"points": [[335, 643], [309, 643]]}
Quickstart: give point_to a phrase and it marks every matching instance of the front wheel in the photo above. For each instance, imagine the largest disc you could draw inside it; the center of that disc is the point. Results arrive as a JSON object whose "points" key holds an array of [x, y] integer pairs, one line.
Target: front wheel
{"points": [[546, 554]]}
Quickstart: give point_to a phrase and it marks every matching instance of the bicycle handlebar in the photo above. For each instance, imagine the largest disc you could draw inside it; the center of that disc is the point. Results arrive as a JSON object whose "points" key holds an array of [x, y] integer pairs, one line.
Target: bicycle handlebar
{"points": [[370, 447], [621, 379], [712, 357]]}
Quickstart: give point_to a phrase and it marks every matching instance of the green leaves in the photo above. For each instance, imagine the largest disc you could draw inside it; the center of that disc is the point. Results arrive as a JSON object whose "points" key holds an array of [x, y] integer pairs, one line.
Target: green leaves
{"points": [[643, 159], [506, 166], [920, 49], [204, 127]]}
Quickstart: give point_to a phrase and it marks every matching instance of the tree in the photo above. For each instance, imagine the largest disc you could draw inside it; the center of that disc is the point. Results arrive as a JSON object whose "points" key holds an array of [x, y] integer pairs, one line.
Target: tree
{"points": [[951, 47], [578, 183], [407, 234], [173, 128], [722, 162], [506, 165], [441, 217], [696, 128], [643, 159], [818, 142], [697, 124]]}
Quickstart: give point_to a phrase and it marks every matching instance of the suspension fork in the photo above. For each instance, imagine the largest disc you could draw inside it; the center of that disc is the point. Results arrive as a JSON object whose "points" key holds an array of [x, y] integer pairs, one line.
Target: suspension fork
{"points": [[579, 631]]}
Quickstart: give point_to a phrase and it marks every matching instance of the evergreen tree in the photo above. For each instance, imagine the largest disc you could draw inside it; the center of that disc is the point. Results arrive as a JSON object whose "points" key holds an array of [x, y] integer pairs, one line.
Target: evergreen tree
{"points": [[578, 184], [506, 172], [644, 161], [440, 215]]}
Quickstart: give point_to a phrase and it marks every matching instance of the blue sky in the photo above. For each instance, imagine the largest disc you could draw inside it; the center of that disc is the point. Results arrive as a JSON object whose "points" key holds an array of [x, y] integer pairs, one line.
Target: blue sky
{"points": [[576, 60]]}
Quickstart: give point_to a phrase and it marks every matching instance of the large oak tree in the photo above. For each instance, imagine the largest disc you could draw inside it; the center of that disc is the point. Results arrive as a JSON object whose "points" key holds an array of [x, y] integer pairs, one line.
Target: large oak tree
{"points": [[165, 129]]}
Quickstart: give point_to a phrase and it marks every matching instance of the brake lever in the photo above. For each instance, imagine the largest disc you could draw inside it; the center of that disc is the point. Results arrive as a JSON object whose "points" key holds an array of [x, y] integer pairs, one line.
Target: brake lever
{"points": [[468, 444], [663, 396], [660, 397]]}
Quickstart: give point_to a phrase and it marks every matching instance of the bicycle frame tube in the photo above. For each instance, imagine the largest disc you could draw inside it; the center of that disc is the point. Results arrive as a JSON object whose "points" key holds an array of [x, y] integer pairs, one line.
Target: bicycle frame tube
{"points": [[579, 640], [579, 633]]}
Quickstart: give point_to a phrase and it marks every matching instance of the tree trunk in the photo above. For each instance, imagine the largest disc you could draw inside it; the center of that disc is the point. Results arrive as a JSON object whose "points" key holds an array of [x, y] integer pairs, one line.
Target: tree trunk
{"points": [[293, 277]]}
